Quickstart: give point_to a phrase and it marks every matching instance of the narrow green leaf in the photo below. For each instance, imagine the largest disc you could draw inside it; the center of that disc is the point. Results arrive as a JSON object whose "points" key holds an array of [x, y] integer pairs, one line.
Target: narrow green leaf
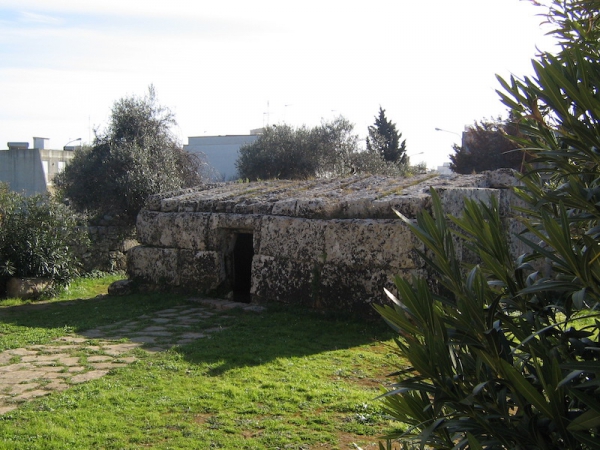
{"points": [[573, 374], [474, 444], [589, 419], [591, 441], [524, 388]]}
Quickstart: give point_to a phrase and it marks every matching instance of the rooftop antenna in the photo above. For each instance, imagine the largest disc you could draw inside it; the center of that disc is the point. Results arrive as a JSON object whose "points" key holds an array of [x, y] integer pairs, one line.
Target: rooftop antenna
{"points": [[268, 114]]}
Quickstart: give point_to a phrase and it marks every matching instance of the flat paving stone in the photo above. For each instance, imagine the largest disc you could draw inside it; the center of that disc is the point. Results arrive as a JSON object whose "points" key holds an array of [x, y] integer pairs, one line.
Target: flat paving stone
{"points": [[43, 368], [154, 333], [16, 367], [56, 386], [30, 395], [17, 389], [108, 365], [57, 375], [156, 349], [215, 329], [189, 312], [189, 335], [21, 352], [88, 376], [73, 339], [119, 349], [127, 359], [92, 348], [5, 358], [57, 349], [114, 324], [44, 358], [21, 376], [143, 339], [154, 328], [69, 361], [121, 331], [99, 358], [161, 320], [7, 408], [92, 334], [50, 369]]}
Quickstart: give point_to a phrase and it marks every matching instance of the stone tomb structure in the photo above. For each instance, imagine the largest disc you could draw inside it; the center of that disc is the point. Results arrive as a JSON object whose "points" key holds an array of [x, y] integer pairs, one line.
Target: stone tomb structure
{"points": [[328, 244]]}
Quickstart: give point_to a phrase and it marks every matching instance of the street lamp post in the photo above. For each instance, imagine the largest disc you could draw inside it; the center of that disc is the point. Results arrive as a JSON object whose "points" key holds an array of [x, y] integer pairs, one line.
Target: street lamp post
{"points": [[446, 131], [74, 140]]}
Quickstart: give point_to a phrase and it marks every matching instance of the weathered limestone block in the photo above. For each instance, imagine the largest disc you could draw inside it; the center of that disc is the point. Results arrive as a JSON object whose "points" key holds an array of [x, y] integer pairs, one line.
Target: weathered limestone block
{"points": [[285, 207], [453, 200], [121, 287], [225, 206], [408, 206], [27, 288], [316, 208], [333, 243], [223, 227], [146, 227], [510, 203], [177, 229], [169, 204], [156, 266], [370, 243], [245, 207], [358, 207], [247, 222], [501, 178], [200, 271], [293, 238], [351, 289], [280, 279]]}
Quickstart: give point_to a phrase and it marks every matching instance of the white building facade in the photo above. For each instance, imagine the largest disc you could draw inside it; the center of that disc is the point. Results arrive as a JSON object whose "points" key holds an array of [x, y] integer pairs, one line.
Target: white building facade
{"points": [[221, 152]]}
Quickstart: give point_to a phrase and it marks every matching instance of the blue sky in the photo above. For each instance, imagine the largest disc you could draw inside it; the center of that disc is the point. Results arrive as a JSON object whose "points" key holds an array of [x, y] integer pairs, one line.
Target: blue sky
{"points": [[230, 66]]}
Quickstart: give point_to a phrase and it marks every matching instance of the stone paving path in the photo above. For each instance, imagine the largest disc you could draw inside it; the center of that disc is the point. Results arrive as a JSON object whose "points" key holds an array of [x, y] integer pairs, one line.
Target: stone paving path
{"points": [[38, 370]]}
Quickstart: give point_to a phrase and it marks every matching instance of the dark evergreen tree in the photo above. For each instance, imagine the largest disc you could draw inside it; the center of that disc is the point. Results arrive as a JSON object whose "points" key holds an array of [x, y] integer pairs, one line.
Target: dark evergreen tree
{"points": [[487, 145], [384, 139]]}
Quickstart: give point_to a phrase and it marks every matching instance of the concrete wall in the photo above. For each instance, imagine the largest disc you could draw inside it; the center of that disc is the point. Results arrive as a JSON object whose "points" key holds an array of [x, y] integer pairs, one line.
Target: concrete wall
{"points": [[31, 170], [221, 152]]}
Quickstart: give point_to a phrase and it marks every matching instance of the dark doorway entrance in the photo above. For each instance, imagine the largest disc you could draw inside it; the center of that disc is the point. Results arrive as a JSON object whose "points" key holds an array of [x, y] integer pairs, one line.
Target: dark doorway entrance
{"points": [[243, 251]]}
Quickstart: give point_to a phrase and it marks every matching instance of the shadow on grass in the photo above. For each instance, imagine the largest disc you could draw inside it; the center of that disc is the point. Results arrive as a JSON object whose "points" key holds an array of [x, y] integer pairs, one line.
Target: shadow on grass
{"points": [[280, 332], [248, 338], [84, 314]]}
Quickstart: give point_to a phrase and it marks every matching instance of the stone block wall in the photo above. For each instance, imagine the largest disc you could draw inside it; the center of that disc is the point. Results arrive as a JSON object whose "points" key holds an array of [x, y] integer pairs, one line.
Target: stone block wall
{"points": [[332, 244], [108, 248]]}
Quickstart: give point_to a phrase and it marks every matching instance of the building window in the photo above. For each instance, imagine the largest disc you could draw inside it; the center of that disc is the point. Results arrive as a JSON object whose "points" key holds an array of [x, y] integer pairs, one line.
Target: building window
{"points": [[45, 167]]}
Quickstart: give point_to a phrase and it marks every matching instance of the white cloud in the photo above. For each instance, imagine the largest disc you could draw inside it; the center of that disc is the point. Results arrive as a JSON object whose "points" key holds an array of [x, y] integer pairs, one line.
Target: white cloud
{"points": [[217, 64], [29, 17]]}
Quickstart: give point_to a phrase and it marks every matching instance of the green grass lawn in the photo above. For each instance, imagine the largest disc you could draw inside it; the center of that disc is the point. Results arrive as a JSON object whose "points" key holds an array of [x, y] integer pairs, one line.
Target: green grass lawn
{"points": [[281, 379]]}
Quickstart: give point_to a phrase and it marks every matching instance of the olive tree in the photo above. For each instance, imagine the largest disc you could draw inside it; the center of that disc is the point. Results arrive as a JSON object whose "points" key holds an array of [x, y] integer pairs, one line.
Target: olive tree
{"points": [[135, 156], [297, 153]]}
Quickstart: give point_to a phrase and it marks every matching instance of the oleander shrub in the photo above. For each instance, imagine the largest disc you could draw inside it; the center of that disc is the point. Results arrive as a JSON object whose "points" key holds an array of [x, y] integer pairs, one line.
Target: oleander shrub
{"points": [[38, 238], [503, 355]]}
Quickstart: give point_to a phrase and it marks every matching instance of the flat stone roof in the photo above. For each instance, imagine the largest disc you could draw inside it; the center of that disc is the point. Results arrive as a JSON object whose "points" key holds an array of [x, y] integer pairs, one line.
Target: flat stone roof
{"points": [[358, 196]]}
